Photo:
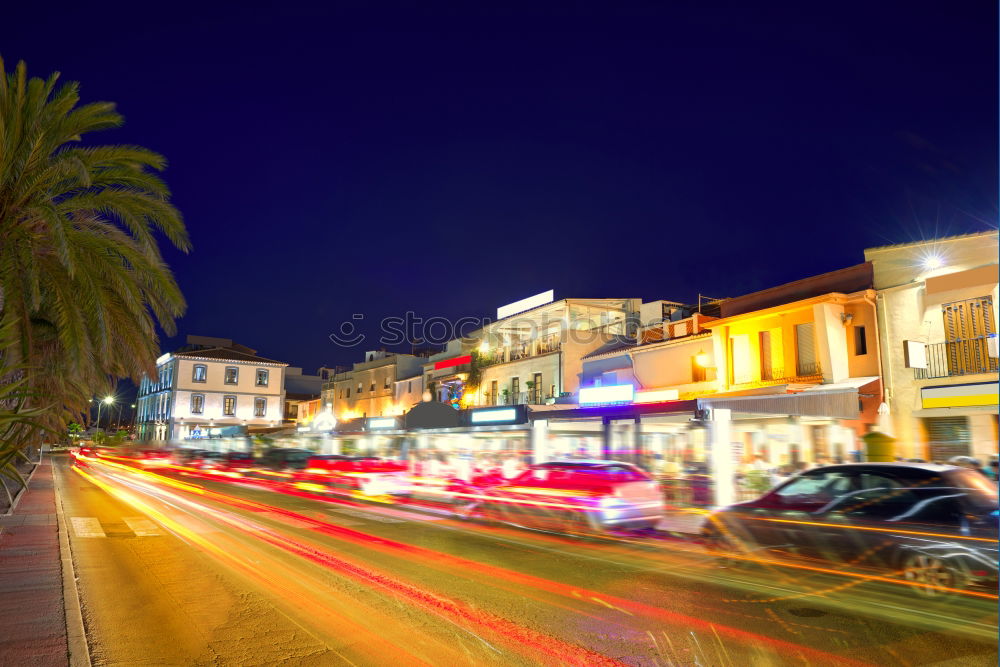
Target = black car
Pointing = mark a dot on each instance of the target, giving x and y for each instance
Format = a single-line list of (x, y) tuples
[(933, 525), (282, 458)]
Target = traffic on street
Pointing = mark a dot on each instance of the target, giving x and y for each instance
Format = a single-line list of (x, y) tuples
[(289, 559)]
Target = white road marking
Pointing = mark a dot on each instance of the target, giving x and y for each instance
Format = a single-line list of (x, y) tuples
[(142, 526), (87, 526)]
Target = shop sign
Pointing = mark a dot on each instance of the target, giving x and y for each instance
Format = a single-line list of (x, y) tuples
[(959, 395), (375, 423), (493, 416), (615, 394)]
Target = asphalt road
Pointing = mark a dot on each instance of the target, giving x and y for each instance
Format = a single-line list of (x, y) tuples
[(178, 570)]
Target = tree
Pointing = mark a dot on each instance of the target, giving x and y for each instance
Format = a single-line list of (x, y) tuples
[(82, 280)]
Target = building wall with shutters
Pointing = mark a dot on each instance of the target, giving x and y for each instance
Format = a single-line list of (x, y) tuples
[(951, 309)]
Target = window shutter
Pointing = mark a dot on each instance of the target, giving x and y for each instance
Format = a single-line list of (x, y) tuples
[(805, 348)]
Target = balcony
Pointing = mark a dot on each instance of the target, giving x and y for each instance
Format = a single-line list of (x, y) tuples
[(966, 357), (805, 373), (533, 397), (522, 350)]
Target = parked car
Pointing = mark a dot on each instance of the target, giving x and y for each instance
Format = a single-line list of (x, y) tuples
[(574, 496), (935, 525), (364, 475)]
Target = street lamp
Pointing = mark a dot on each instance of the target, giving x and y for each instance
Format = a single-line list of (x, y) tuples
[(107, 400)]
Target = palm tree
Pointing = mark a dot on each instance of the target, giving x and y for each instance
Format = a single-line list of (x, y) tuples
[(82, 280)]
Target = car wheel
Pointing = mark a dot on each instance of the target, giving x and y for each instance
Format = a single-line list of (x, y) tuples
[(932, 577), (724, 546)]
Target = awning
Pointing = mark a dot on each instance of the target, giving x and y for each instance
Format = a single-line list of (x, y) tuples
[(836, 400)]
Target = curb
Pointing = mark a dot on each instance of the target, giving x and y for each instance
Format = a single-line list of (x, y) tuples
[(76, 636), (27, 482)]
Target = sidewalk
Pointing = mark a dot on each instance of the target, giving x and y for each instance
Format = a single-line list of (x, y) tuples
[(686, 521), (32, 617)]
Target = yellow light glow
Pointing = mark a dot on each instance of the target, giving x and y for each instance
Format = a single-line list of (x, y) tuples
[(702, 359), (108, 400)]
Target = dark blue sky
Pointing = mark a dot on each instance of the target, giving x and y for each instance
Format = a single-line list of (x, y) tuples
[(446, 160)]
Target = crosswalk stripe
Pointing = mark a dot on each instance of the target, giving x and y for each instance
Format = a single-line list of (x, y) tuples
[(142, 526), (87, 526)]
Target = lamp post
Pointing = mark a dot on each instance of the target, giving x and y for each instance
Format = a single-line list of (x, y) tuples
[(107, 400)]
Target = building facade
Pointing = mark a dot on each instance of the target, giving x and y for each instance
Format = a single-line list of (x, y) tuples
[(536, 356), (938, 322), (369, 388), (212, 387)]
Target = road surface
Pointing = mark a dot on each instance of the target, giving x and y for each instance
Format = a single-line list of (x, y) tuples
[(180, 570)]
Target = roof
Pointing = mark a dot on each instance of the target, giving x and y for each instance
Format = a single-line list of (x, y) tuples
[(851, 279), (227, 354), (616, 344), (940, 239)]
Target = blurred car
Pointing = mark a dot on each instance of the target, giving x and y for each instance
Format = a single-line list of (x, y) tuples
[(153, 458), (934, 525), (184, 455), (364, 475), (206, 459), (574, 496), (236, 461), (284, 460)]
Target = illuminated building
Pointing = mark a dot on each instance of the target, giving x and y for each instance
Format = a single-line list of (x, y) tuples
[(302, 396), (211, 387), (532, 354), (368, 388), (938, 325)]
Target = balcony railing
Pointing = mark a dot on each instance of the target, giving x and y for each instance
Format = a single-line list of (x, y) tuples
[(965, 357), (533, 397), (502, 355), (770, 376)]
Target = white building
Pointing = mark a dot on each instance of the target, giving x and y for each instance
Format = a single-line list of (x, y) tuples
[(212, 387), (937, 329), (535, 355)]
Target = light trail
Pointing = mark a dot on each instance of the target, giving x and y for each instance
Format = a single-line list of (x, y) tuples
[(493, 575)]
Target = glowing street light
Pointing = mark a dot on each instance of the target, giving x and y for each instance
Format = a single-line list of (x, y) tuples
[(702, 359), (107, 400)]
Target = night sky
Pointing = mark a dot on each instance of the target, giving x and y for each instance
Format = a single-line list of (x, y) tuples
[(447, 160)]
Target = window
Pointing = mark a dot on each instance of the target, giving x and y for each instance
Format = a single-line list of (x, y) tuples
[(966, 326), (229, 405), (259, 407), (232, 375), (860, 341), (197, 404), (698, 374), (814, 489), (739, 346), (200, 373), (372, 387), (409, 386), (552, 391), (805, 349), (361, 387), (348, 392), (385, 384), (515, 388), (262, 374)]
